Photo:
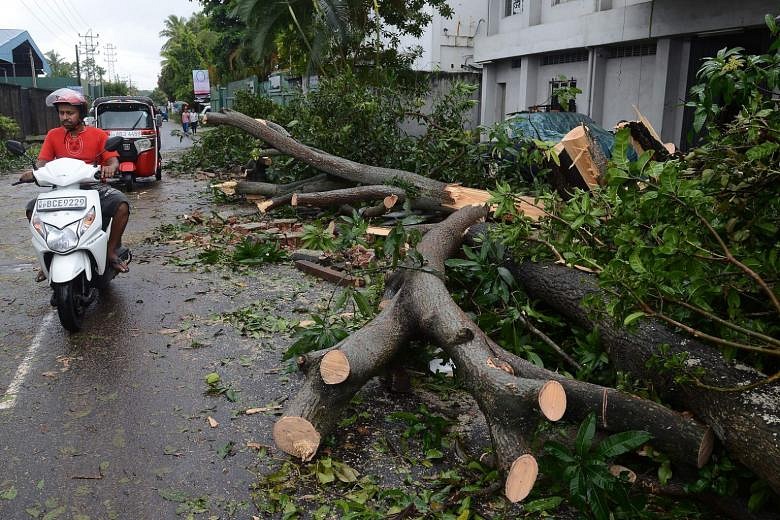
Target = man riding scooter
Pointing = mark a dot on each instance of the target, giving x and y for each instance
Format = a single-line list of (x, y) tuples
[(75, 140)]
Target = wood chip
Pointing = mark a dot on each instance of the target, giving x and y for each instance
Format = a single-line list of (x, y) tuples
[(166, 332), (252, 411), (213, 422)]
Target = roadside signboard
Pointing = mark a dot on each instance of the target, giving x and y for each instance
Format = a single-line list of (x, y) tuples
[(200, 82)]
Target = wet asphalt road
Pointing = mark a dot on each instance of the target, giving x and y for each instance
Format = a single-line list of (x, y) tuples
[(112, 422)]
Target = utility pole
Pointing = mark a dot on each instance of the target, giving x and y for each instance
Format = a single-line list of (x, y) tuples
[(78, 67), (89, 46), (110, 60)]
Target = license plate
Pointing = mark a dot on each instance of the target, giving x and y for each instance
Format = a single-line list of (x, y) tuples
[(62, 203), (125, 133)]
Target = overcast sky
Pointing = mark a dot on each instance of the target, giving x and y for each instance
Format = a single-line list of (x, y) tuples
[(131, 26)]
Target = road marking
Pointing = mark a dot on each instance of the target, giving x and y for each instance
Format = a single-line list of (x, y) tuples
[(8, 400)]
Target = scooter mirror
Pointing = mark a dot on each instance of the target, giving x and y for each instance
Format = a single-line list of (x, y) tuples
[(114, 143), (15, 147)]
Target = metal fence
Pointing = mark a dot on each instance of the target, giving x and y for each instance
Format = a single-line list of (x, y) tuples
[(27, 106)]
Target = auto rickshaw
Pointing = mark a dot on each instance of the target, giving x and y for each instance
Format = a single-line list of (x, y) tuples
[(133, 118)]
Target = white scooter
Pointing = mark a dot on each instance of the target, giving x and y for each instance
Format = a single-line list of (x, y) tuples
[(68, 235)]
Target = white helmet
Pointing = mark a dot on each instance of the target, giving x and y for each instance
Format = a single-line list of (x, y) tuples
[(70, 97)]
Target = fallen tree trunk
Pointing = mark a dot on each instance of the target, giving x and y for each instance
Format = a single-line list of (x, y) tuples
[(747, 422), (430, 194), (340, 167), (512, 396), (326, 199)]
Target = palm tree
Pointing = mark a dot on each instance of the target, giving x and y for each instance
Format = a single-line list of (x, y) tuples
[(319, 23), (174, 28), (59, 67)]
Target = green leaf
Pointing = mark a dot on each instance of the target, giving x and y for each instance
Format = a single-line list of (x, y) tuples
[(559, 451), (585, 434), (212, 379), (173, 495), (325, 475), (506, 275), (362, 304), (636, 263), (620, 149), (345, 473), (631, 318), (543, 504), (664, 472), (621, 443), (9, 494), (224, 450)]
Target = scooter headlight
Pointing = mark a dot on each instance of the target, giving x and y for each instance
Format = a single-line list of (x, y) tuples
[(141, 145), (38, 225), (62, 240), (86, 222)]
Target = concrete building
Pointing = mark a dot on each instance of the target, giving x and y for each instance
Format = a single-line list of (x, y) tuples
[(618, 52), (447, 44)]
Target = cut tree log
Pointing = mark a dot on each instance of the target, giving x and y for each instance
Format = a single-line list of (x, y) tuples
[(586, 155), (330, 198), (747, 422), (512, 396), (326, 273), (644, 137)]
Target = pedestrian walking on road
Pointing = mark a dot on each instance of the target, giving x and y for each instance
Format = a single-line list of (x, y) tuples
[(185, 121), (193, 121)]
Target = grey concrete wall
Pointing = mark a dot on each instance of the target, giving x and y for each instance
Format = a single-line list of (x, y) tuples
[(441, 83)]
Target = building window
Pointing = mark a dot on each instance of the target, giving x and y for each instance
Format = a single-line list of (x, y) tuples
[(512, 7), (627, 51), (559, 83), (516, 63), (559, 2), (565, 57)]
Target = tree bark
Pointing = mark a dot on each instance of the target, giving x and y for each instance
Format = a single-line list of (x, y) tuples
[(322, 182), (330, 198), (340, 167), (747, 422), (367, 351)]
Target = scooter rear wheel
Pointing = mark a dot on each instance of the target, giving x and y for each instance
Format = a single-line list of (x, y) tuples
[(69, 300)]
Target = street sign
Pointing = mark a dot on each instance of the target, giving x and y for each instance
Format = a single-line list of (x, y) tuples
[(200, 82)]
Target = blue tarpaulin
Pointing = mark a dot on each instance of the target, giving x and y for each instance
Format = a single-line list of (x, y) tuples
[(552, 126)]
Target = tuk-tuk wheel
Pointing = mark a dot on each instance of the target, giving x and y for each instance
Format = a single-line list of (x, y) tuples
[(127, 180), (158, 173)]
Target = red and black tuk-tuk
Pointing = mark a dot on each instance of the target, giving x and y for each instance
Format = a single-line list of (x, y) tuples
[(133, 118)]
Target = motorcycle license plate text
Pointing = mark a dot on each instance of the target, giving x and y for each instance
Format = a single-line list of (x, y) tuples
[(62, 203), (125, 133)]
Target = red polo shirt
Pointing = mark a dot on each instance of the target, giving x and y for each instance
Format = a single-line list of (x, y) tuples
[(87, 145)]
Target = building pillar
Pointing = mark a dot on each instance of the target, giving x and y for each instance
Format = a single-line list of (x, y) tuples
[(529, 77), (675, 94), (597, 65), (663, 60), (488, 98)]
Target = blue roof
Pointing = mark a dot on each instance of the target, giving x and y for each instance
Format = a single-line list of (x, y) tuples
[(11, 39)]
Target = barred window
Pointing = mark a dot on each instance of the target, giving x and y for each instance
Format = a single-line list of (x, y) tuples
[(627, 51), (559, 2), (565, 57), (512, 7)]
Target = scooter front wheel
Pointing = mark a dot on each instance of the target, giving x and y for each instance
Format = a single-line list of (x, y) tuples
[(69, 300)]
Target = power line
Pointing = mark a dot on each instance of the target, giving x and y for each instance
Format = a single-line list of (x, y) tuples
[(77, 13), (68, 17), (42, 24), (50, 16)]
